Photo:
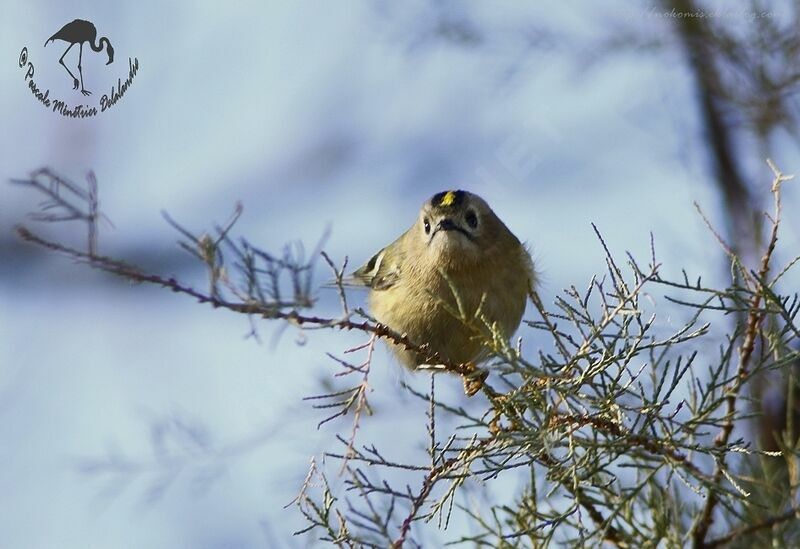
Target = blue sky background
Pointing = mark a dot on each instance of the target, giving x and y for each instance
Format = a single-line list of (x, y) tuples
[(313, 114)]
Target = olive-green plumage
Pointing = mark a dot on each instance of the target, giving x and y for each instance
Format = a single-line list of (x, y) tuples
[(458, 251)]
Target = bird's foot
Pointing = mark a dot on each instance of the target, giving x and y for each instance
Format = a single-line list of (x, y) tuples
[(474, 380), (474, 377), (75, 84), (86, 92)]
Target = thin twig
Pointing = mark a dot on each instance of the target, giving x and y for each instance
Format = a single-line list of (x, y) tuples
[(793, 513), (754, 319)]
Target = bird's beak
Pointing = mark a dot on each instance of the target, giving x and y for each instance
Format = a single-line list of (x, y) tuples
[(447, 224)]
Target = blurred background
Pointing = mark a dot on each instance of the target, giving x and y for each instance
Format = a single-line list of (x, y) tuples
[(133, 417)]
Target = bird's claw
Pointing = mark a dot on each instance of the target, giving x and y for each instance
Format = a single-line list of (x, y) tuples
[(75, 84), (86, 92), (474, 380)]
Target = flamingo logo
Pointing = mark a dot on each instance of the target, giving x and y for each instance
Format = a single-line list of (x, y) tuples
[(78, 32)]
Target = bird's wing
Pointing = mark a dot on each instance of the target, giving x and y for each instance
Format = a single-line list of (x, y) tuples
[(382, 271)]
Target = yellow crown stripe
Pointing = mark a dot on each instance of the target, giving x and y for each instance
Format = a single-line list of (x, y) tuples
[(448, 198)]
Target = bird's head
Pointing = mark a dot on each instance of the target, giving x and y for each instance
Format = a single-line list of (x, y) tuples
[(459, 227)]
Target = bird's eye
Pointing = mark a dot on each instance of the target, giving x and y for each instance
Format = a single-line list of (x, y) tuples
[(427, 225), (471, 218)]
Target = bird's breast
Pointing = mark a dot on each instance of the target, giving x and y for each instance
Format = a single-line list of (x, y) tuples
[(452, 311)]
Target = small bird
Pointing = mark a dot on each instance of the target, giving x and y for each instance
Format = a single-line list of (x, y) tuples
[(451, 281)]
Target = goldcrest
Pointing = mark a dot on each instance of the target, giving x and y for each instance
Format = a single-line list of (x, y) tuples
[(457, 277)]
